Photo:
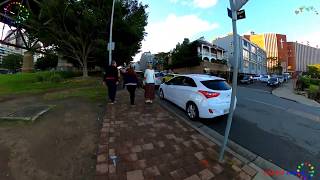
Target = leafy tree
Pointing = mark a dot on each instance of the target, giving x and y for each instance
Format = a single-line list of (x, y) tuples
[(12, 62), (314, 71), (78, 30), (185, 55), (308, 9), (162, 59), (47, 62)]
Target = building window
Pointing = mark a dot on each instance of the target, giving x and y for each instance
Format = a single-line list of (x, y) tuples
[(246, 64), (245, 43), (253, 49), (246, 55)]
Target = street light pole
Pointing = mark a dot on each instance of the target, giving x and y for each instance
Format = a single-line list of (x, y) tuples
[(234, 8), (110, 35)]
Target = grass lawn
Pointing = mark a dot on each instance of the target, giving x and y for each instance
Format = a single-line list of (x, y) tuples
[(41, 82)]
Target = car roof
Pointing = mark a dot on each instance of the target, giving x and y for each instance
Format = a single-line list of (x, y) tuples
[(202, 77)]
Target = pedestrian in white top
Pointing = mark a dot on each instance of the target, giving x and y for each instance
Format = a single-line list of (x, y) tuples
[(149, 78)]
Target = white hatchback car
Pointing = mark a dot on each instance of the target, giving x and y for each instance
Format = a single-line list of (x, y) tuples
[(202, 96)]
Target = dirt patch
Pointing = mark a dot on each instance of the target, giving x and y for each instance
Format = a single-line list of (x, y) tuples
[(60, 145)]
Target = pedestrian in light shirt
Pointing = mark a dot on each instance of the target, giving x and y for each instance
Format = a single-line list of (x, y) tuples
[(149, 79)]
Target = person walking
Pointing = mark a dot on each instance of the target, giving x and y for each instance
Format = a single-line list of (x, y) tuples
[(131, 82), (149, 78), (111, 80)]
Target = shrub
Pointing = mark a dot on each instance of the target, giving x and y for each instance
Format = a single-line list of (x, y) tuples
[(56, 78)]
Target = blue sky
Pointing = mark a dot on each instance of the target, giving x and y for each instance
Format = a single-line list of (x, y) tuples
[(172, 20)]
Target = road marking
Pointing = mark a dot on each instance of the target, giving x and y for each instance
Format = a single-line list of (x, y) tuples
[(261, 102)]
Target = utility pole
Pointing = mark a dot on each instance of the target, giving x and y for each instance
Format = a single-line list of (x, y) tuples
[(235, 15), (110, 44)]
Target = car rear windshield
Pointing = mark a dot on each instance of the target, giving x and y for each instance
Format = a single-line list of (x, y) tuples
[(216, 84)]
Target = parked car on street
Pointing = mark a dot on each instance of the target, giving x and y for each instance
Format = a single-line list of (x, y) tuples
[(281, 79), (167, 77), (246, 80), (257, 77), (274, 81), (201, 96), (159, 76), (265, 78)]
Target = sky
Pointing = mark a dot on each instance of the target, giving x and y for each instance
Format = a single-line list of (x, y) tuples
[(170, 21)]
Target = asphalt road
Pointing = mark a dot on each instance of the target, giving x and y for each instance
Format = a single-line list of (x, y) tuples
[(284, 132)]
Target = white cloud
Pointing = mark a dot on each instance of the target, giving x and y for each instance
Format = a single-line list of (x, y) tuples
[(163, 36), (205, 3), (196, 3), (313, 39)]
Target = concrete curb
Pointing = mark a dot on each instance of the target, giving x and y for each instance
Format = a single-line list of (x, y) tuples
[(249, 158)]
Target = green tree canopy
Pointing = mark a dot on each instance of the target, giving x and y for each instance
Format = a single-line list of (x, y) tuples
[(47, 62), (79, 30), (185, 55), (12, 62)]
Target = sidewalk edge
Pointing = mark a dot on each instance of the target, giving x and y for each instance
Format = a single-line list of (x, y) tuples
[(256, 162)]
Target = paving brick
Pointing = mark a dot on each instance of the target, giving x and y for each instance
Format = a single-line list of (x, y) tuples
[(206, 174), (178, 174), (187, 143), (199, 156), (112, 169), (148, 146), (130, 157), (249, 170), (161, 144), (141, 164), (151, 172), (102, 168), (170, 136), (102, 158), (244, 176), (136, 149), (112, 152), (236, 161), (217, 169), (194, 177), (135, 175)]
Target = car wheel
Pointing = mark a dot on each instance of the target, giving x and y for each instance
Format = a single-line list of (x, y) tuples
[(161, 94), (192, 111)]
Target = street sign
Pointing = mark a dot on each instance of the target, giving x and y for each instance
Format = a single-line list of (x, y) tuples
[(111, 46), (241, 14), (229, 13), (237, 4)]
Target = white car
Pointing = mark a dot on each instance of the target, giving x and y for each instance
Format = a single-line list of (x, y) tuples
[(257, 77), (265, 78), (201, 96)]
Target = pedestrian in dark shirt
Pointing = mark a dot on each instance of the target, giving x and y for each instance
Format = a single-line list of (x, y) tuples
[(111, 80), (131, 82)]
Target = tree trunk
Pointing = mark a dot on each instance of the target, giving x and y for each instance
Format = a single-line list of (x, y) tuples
[(85, 68), (27, 65)]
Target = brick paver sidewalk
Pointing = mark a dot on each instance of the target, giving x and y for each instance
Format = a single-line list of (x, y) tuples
[(150, 143)]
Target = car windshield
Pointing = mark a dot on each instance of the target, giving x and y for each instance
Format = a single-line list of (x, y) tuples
[(216, 84), (245, 78), (265, 76)]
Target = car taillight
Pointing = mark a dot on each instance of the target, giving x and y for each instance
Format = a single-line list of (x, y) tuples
[(209, 94)]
